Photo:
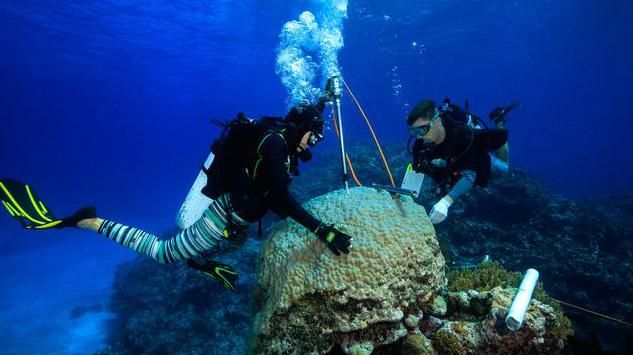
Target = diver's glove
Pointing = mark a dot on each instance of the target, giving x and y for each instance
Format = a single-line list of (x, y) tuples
[(304, 155), (335, 240), (440, 210), (217, 271)]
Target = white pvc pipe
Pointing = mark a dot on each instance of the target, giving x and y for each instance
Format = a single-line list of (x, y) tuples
[(195, 203), (521, 301)]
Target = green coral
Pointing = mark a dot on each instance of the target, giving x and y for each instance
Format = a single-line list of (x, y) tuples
[(447, 344), (484, 277), (416, 344), (487, 276), (361, 349)]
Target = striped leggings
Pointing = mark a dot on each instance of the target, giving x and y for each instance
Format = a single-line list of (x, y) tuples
[(201, 237)]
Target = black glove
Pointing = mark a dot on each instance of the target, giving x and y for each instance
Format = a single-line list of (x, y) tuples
[(304, 155), (323, 100), (335, 240)]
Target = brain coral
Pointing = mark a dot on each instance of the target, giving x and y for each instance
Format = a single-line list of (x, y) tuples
[(308, 299)]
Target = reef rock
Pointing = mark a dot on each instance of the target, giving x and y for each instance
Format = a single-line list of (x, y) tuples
[(488, 333), (308, 299)]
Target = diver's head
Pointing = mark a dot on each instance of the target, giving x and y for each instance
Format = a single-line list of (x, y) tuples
[(304, 128), (424, 123)]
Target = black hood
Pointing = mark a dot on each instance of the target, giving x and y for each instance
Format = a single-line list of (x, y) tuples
[(301, 119)]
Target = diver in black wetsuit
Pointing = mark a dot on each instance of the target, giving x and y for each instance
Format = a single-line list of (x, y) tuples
[(259, 184), (256, 184), (454, 153)]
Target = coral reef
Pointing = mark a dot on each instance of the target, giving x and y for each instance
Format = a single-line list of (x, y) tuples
[(308, 299), (583, 250), (446, 343), (416, 344), (484, 277), (177, 310), (488, 332), (487, 276)]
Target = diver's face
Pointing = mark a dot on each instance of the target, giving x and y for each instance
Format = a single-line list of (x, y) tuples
[(303, 144), (310, 139), (430, 131)]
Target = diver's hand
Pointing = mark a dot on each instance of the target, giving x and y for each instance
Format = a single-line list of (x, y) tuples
[(335, 240), (440, 210)]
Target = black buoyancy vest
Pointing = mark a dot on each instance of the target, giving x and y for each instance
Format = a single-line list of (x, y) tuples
[(465, 148), (235, 154)]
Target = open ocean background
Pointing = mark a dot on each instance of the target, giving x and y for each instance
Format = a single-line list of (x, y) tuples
[(108, 103)]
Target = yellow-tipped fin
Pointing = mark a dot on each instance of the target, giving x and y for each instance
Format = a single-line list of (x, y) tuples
[(36, 205), (18, 207), (47, 225), (12, 212)]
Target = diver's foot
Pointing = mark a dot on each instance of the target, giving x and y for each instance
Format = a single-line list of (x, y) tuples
[(90, 223), (500, 114), (86, 213), (222, 273)]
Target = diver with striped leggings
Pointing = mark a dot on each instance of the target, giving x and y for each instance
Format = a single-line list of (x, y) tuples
[(243, 185), (193, 241)]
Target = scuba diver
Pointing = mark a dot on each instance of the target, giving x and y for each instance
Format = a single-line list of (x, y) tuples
[(453, 148), (250, 175)]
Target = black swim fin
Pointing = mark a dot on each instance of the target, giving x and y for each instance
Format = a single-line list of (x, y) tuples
[(499, 114), (23, 204), (219, 272)]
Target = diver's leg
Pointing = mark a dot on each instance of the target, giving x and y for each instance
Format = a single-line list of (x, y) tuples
[(503, 153), (199, 238)]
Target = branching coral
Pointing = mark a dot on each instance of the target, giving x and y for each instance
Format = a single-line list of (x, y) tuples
[(484, 277)]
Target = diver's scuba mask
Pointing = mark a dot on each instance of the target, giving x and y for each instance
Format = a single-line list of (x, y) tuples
[(314, 138), (300, 120), (420, 131)]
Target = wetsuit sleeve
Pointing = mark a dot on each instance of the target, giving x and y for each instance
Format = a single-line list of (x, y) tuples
[(465, 183), (275, 172)]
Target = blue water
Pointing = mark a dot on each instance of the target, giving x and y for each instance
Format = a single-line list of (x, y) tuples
[(108, 103)]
